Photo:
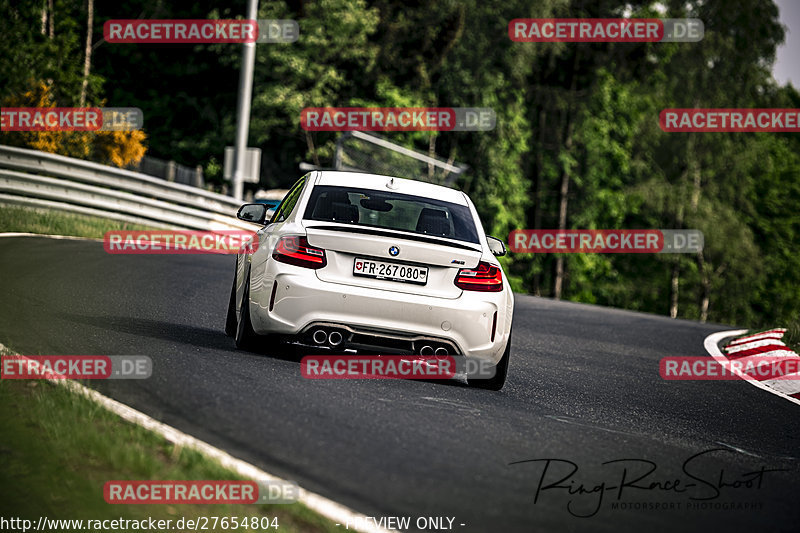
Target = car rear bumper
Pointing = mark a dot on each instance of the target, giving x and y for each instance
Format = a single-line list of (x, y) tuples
[(301, 303)]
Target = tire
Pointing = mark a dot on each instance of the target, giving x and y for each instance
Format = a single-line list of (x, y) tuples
[(501, 371), (246, 338), (230, 319)]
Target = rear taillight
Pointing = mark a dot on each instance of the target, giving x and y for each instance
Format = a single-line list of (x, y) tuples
[(485, 278), (295, 250)]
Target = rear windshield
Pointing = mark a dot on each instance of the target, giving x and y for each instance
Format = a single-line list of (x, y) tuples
[(389, 210)]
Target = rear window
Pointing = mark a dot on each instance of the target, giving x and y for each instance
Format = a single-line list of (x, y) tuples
[(394, 211)]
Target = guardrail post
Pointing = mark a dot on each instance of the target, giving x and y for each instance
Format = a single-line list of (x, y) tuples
[(171, 169), (198, 176)]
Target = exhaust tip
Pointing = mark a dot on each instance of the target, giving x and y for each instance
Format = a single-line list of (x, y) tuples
[(441, 351), (426, 350), (335, 338), (320, 336)]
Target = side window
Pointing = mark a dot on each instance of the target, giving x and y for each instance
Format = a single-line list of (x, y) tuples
[(289, 201)]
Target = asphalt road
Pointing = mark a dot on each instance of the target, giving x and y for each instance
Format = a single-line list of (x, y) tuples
[(583, 387)]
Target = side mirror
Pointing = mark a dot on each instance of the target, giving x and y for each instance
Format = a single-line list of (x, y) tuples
[(256, 213), (496, 246)]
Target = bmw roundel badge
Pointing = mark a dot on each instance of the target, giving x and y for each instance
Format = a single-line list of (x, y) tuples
[(394, 250)]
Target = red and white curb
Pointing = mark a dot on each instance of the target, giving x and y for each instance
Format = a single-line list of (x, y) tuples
[(766, 344), (336, 512)]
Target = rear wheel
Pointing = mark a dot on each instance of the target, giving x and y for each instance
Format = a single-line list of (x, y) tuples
[(501, 371), (245, 336)]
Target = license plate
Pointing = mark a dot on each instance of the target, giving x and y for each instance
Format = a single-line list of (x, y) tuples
[(390, 271)]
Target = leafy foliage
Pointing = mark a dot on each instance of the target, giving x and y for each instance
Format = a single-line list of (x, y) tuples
[(119, 148), (577, 141)]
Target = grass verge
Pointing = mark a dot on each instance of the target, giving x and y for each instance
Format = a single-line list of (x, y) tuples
[(58, 448), (27, 220), (792, 337)]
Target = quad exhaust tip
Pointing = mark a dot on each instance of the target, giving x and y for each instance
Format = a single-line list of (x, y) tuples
[(335, 338), (426, 350), (320, 336), (441, 351)]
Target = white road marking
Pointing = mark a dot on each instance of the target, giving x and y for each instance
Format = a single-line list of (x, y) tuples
[(568, 420), (737, 449), (447, 403)]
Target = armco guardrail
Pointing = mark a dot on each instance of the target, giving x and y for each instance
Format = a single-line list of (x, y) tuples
[(60, 182)]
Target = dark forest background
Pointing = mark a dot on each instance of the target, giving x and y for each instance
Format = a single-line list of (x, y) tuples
[(577, 142)]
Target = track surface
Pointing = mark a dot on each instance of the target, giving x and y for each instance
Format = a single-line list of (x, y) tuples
[(583, 387)]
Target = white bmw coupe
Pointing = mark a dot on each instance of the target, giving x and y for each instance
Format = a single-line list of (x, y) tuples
[(362, 263)]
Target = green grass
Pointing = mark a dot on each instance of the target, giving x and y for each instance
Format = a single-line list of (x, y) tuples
[(792, 337), (58, 448), (26, 220)]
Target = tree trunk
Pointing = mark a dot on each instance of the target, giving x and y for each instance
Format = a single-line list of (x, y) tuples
[(87, 61), (705, 281), (705, 287), (676, 267), (565, 175), (693, 170), (50, 19), (537, 190), (673, 290), (431, 153), (312, 148), (562, 216)]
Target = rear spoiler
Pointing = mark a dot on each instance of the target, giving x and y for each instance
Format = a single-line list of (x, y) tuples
[(397, 235)]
